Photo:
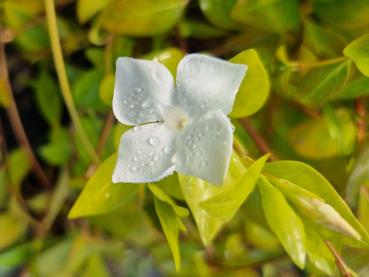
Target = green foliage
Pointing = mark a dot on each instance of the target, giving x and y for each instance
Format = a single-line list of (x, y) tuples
[(303, 100)]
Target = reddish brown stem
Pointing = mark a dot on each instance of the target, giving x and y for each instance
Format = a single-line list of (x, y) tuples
[(361, 124), (258, 139), (16, 122), (345, 271)]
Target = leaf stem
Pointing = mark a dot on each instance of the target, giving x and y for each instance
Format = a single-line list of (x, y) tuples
[(259, 140), (63, 79), (361, 122), (345, 270), (16, 123)]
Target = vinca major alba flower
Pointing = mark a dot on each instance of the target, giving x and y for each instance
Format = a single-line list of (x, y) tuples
[(182, 126)]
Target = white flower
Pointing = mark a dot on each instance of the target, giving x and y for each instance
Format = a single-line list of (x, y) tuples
[(183, 127)]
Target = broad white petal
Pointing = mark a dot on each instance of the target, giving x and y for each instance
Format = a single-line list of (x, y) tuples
[(204, 147), (139, 86), (205, 83), (145, 154)]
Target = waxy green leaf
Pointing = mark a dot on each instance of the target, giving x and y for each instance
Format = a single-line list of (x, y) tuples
[(218, 13), (100, 195), (169, 215), (358, 51), (254, 89), (305, 176), (225, 205), (87, 9), (284, 222), (142, 17), (196, 191)]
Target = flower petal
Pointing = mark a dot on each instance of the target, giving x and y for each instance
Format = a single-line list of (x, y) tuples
[(205, 83), (204, 147), (139, 86), (145, 154)]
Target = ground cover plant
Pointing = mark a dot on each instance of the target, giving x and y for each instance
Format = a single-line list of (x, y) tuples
[(184, 138)]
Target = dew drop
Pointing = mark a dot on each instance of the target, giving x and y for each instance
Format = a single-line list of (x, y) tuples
[(151, 154), (204, 163), (156, 158), (153, 141), (173, 159), (134, 168), (138, 151), (202, 106), (131, 106), (167, 149), (138, 89), (136, 128), (145, 104)]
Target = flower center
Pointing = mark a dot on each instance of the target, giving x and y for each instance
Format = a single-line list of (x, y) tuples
[(174, 117)]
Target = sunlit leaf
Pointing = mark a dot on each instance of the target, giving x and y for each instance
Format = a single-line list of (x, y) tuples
[(18, 166), (58, 150), (305, 176), (225, 204), (358, 51), (142, 17), (171, 224), (284, 222), (254, 89), (14, 257), (106, 89), (196, 191), (87, 9), (100, 195)]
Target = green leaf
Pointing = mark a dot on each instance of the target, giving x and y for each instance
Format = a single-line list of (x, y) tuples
[(170, 57), (358, 52), (196, 191), (218, 13), (363, 207), (324, 83), (106, 89), (58, 150), (315, 208), (159, 194), (283, 221), (225, 204), (199, 30), (277, 15), (12, 227), (171, 224), (18, 166), (48, 98), (86, 89), (325, 137), (254, 89), (87, 9), (323, 41), (342, 129), (14, 257), (142, 17), (357, 87), (95, 267), (305, 176), (318, 253), (359, 176), (100, 195)]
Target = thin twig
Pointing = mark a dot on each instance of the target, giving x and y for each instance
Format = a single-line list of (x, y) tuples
[(361, 123), (63, 79), (16, 123), (344, 269), (182, 43), (258, 139), (108, 124)]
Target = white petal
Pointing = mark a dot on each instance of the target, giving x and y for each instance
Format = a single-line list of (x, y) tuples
[(145, 154), (205, 83), (204, 148), (139, 86)]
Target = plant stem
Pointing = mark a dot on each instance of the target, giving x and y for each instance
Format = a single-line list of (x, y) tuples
[(63, 79), (259, 140), (344, 269), (361, 122), (16, 123)]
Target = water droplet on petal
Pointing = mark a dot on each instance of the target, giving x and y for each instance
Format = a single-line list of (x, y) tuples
[(153, 141), (204, 163), (173, 159), (136, 128), (134, 168), (135, 159), (138, 89), (145, 104), (151, 154), (167, 149), (138, 151)]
